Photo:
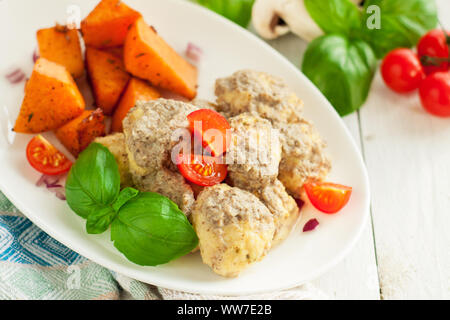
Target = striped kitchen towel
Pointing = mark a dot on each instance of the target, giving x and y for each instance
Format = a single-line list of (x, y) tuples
[(35, 266)]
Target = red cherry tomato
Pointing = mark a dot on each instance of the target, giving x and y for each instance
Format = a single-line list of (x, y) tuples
[(328, 197), (402, 71), (45, 158), (202, 170), (433, 51), (435, 94), (211, 128)]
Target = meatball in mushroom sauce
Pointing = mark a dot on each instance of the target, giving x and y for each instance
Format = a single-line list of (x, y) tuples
[(234, 228)]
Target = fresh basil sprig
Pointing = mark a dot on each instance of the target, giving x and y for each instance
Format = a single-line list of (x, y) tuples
[(93, 182), (342, 63), (238, 11), (342, 69), (148, 228), (151, 230), (402, 23)]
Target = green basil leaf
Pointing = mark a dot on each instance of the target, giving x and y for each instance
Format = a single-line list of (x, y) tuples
[(150, 230), (238, 11), (99, 221), (93, 181), (402, 23), (342, 69), (124, 196), (335, 16)]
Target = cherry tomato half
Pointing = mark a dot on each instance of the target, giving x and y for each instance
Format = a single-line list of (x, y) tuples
[(433, 51), (435, 94), (202, 170), (211, 128), (45, 158), (328, 197), (402, 71)]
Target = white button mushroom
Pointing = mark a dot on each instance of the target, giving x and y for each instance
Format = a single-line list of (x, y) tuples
[(274, 18)]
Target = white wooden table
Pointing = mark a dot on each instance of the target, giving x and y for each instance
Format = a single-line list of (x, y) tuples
[(404, 252)]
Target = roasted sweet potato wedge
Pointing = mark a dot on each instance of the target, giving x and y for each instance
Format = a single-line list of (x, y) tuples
[(117, 51), (107, 25), (61, 45), (108, 78), (135, 91), (81, 131), (51, 99), (148, 56)]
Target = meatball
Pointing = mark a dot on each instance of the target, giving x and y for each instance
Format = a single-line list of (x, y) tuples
[(116, 144), (169, 184), (303, 156), (254, 153), (257, 92), (151, 131), (283, 207), (234, 229)]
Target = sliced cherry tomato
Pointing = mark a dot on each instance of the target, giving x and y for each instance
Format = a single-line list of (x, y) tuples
[(435, 94), (202, 170), (45, 158), (433, 51), (402, 71), (211, 128), (328, 197)]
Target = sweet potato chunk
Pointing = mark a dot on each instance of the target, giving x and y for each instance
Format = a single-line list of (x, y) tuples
[(107, 25), (136, 90), (81, 131), (51, 99), (61, 45), (148, 56), (117, 51), (108, 78)]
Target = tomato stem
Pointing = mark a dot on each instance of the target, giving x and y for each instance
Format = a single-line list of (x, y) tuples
[(433, 61)]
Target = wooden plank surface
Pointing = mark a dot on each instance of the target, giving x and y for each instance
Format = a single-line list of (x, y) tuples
[(356, 276), (408, 157), (407, 153)]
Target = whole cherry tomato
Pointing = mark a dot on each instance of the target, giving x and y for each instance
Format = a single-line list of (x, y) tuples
[(402, 71), (433, 51), (435, 94)]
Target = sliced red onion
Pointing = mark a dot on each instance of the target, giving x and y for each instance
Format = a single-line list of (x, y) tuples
[(53, 185), (61, 194), (15, 76), (310, 225), (194, 52), (35, 55), (300, 203), (49, 181)]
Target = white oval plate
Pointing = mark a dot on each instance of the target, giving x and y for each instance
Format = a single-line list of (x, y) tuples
[(227, 48)]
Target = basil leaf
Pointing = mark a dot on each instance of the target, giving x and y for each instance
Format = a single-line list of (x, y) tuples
[(402, 23), (93, 181), (124, 196), (238, 11), (150, 230), (99, 221), (342, 69), (335, 16)]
